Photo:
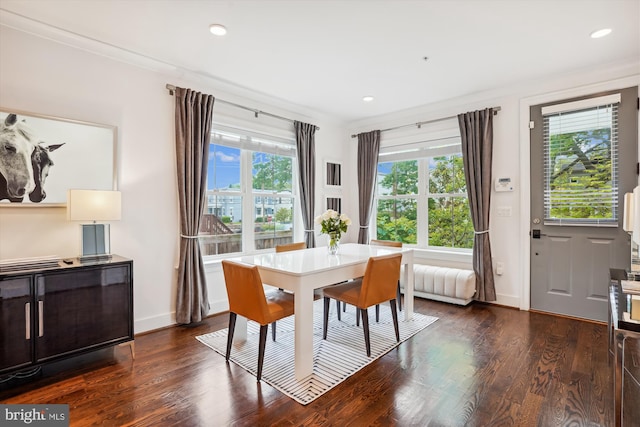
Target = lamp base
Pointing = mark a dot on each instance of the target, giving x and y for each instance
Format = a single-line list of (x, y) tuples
[(95, 241), (95, 258)]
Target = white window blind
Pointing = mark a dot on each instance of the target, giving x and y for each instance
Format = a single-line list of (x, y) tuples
[(252, 140), (581, 162), (420, 149)]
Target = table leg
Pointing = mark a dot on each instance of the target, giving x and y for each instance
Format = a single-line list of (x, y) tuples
[(409, 279), (240, 333), (303, 333)]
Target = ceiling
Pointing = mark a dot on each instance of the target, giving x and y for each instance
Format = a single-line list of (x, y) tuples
[(326, 55)]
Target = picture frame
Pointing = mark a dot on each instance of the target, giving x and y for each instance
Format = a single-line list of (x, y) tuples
[(333, 174), (334, 203), (64, 154)]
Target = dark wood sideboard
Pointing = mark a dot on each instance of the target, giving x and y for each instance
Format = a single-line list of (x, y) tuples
[(49, 314)]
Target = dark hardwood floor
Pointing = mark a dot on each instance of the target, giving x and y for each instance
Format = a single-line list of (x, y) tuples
[(480, 365)]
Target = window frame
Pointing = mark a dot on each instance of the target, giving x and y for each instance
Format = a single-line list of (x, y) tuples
[(247, 193), (421, 152), (575, 107)]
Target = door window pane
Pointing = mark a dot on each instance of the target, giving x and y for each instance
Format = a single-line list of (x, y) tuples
[(581, 166)]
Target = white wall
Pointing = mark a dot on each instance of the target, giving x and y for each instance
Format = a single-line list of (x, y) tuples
[(509, 235), (44, 77)]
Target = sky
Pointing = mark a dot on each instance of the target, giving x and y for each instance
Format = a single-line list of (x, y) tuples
[(224, 166)]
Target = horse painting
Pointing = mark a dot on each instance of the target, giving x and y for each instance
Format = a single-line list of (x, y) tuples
[(16, 168), (41, 163), (24, 162)]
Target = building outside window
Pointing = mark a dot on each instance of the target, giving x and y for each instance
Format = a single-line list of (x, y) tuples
[(250, 174)]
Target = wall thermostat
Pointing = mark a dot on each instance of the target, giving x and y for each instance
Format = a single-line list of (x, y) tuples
[(503, 184)]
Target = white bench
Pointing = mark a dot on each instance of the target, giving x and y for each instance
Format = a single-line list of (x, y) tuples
[(445, 284)]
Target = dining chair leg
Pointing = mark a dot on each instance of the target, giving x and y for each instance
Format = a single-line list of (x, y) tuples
[(325, 322), (344, 307), (338, 307), (273, 331), (394, 315), (357, 316), (263, 342), (365, 326), (377, 313), (232, 329), (399, 297)]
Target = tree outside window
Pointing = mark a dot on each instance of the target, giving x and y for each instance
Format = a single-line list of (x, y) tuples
[(580, 178), (442, 203)]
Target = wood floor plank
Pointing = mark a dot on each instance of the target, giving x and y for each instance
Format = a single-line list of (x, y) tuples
[(480, 365)]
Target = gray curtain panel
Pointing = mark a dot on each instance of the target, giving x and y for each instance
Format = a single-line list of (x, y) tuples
[(476, 131), (368, 150), (306, 146), (193, 117)]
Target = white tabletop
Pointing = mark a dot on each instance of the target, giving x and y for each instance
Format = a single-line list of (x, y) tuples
[(316, 260)]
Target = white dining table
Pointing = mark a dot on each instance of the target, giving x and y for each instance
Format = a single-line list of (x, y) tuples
[(305, 270)]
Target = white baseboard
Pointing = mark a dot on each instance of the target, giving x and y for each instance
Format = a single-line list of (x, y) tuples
[(169, 319), (508, 300), (218, 306), (156, 322)]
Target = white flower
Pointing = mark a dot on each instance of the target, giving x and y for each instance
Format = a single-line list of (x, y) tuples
[(333, 222)]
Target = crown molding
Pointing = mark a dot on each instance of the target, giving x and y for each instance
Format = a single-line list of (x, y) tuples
[(231, 91)]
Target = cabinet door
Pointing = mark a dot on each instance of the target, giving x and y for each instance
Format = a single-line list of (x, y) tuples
[(16, 332), (83, 309)]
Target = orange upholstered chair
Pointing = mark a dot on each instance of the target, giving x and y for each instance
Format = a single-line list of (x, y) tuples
[(247, 298), (377, 286), (291, 247), (393, 244)]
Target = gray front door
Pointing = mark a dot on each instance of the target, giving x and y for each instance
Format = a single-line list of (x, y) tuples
[(570, 263)]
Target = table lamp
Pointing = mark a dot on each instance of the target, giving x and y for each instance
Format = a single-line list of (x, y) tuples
[(94, 205)]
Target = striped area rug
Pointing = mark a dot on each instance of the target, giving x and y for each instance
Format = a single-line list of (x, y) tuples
[(334, 360)]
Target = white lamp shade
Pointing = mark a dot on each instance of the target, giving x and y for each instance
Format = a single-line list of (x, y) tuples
[(635, 225), (627, 219), (93, 205)]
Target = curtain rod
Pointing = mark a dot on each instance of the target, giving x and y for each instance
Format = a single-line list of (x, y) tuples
[(256, 112), (419, 124)]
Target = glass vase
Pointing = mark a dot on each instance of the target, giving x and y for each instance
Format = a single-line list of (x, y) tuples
[(334, 243)]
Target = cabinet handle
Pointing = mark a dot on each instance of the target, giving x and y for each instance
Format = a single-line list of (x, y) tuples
[(27, 321), (40, 318)]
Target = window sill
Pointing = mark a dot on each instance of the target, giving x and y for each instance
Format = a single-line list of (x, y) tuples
[(462, 256)]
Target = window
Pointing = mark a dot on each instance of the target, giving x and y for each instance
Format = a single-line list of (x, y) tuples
[(397, 202), (272, 181), (581, 162), (423, 200), (250, 204), (449, 216)]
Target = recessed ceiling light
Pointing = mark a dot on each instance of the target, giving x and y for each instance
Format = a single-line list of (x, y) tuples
[(367, 98), (600, 33), (218, 29)]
